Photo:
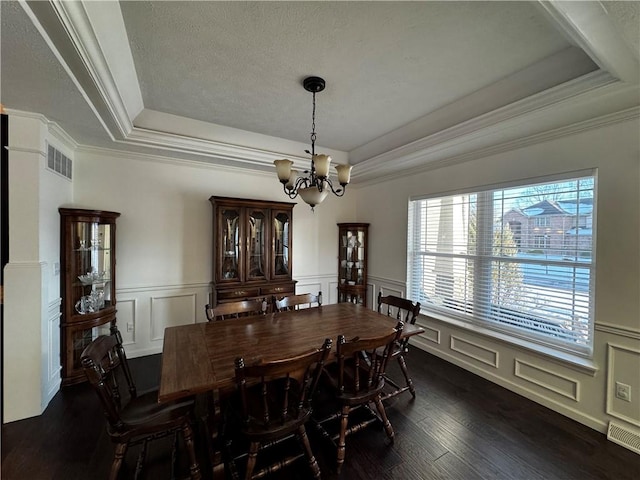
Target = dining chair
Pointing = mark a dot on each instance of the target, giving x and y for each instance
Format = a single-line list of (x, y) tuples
[(357, 380), (224, 311), (141, 418), (274, 405), (407, 311), (294, 302)]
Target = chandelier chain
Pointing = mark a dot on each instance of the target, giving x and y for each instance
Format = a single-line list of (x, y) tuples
[(313, 126)]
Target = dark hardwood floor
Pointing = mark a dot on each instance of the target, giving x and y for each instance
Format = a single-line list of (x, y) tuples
[(460, 426)]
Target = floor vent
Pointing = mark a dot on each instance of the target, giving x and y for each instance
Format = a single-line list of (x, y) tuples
[(59, 162), (624, 436)]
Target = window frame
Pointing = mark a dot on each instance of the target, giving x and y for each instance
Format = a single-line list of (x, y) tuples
[(516, 335)]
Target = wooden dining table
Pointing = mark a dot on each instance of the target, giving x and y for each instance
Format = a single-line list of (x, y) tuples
[(199, 358)]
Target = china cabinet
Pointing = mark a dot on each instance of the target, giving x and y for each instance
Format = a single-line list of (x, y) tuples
[(251, 249), (352, 262), (87, 283)]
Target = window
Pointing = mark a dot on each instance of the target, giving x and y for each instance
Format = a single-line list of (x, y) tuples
[(542, 241), (470, 260), (542, 221)]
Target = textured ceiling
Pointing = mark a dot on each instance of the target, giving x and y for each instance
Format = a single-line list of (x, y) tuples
[(33, 80), (240, 64)]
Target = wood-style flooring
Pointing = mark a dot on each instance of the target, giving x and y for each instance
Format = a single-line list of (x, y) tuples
[(460, 426)]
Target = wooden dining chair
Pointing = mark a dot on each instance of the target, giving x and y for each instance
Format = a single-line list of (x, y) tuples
[(224, 311), (357, 380), (275, 403), (295, 302), (407, 311), (141, 418)]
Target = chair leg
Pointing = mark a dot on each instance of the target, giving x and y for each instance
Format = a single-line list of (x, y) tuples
[(121, 450), (385, 421), (313, 463), (194, 468), (403, 367), (251, 461), (344, 420)]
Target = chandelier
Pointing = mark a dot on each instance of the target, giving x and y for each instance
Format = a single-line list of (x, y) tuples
[(315, 184)]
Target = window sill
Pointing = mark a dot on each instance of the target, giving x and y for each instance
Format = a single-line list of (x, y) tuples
[(583, 365)]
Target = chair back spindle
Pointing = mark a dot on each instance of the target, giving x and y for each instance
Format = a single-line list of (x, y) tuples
[(295, 302), (225, 311), (275, 397)]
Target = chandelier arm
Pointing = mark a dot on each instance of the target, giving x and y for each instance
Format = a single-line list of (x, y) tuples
[(293, 193), (337, 192)]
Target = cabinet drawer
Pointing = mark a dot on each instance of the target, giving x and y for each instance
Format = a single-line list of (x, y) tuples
[(238, 293), (278, 290)]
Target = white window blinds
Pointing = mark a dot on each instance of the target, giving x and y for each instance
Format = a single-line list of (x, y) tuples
[(519, 260)]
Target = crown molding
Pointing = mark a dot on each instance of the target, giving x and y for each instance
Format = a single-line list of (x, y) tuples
[(477, 128), (215, 150), (598, 122), (80, 29), (53, 128), (589, 26), (565, 105), (156, 158)]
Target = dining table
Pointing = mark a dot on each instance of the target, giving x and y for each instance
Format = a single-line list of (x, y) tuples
[(200, 358)]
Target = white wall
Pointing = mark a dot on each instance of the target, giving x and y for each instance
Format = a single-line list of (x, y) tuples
[(578, 392), (164, 235), (32, 286)]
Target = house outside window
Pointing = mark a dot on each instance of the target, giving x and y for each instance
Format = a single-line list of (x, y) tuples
[(484, 258)]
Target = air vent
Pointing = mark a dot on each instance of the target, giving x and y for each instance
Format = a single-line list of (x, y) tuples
[(59, 162), (624, 436)]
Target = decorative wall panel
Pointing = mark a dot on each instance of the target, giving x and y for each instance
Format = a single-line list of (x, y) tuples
[(552, 381)]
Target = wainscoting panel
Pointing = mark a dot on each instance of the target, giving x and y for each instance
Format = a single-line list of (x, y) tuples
[(624, 365), (431, 334), (144, 312), (51, 374), (552, 381), (126, 319), (475, 351), (386, 286), (171, 311), (327, 284), (332, 293), (311, 287)]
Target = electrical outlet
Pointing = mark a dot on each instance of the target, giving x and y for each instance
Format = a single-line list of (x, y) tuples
[(129, 327), (623, 391)]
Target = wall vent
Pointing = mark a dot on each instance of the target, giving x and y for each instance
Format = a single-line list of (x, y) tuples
[(624, 436), (59, 162)]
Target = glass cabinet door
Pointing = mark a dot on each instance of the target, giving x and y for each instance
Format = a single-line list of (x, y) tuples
[(352, 266), (80, 338), (281, 244), (256, 245), (229, 248), (352, 259), (90, 267)]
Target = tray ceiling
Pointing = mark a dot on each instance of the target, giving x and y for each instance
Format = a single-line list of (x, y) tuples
[(413, 82)]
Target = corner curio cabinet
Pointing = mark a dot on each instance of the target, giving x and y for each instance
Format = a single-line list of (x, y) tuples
[(352, 262), (87, 283), (251, 249)]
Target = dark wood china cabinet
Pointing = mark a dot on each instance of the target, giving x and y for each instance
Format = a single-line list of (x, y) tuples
[(87, 283), (352, 262), (251, 249)]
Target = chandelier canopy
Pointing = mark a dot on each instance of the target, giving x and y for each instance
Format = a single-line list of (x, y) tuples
[(315, 183)]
